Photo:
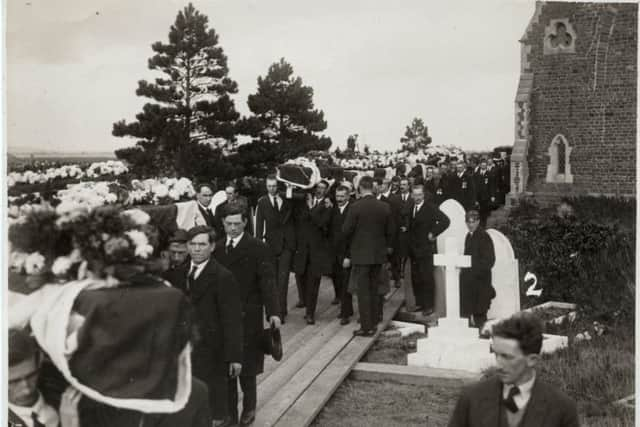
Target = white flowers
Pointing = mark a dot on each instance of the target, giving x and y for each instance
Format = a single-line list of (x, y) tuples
[(95, 170), (138, 216), (160, 191), (142, 247), (61, 265), (110, 167), (34, 263)]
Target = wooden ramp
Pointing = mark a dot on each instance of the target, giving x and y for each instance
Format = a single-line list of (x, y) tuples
[(317, 358)]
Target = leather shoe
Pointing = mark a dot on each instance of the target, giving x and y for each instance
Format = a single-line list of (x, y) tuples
[(248, 418), (226, 422), (300, 304), (363, 333), (344, 320), (310, 320), (417, 309)]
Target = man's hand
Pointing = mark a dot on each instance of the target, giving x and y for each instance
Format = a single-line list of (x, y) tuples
[(234, 369), (389, 251), (275, 321), (403, 229), (346, 263), (431, 237), (493, 199), (69, 407)]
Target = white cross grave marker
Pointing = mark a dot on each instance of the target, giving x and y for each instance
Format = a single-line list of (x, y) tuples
[(452, 261), (452, 344)]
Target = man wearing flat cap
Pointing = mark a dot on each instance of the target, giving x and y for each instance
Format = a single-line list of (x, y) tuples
[(215, 295)]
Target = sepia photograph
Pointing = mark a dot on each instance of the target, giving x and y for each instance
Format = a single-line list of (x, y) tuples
[(337, 213)]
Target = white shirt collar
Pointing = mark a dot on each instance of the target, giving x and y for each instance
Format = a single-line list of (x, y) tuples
[(199, 268), (343, 207), (521, 399), (46, 414), (202, 206), (235, 241)]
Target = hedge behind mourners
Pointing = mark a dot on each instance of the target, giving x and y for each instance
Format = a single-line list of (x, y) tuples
[(578, 260)]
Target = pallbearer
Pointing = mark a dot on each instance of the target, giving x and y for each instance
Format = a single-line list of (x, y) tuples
[(368, 228), (274, 225)]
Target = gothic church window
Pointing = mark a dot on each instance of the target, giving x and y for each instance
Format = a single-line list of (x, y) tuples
[(559, 167)]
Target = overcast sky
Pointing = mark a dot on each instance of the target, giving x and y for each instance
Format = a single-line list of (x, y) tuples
[(73, 65)]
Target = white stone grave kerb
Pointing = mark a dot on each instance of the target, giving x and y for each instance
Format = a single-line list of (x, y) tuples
[(452, 344)]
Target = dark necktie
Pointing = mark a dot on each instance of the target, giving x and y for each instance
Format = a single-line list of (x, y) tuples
[(274, 203), (192, 276), (229, 247), (36, 422), (509, 403)]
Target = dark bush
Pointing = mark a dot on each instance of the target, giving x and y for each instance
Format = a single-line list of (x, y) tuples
[(588, 259)]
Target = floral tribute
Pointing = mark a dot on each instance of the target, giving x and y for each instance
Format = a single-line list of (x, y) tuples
[(68, 242), (95, 170)]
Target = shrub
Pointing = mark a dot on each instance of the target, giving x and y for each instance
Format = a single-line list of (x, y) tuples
[(588, 259)]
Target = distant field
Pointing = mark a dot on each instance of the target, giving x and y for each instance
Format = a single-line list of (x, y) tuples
[(41, 162)]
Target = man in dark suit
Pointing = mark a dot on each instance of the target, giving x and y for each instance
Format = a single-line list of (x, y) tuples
[(251, 263), (203, 199), (516, 397), (443, 189), (233, 197), (476, 291), (216, 297), (274, 225), (426, 222), (341, 271), (368, 228), (313, 257), (485, 189), (401, 248), (463, 187)]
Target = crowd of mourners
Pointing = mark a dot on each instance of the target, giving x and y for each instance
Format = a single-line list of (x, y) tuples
[(233, 266)]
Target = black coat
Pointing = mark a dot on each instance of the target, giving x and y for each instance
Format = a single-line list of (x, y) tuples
[(402, 241), (463, 189), (479, 406), (368, 228), (252, 266), (275, 227), (339, 243), (313, 246), (215, 295), (485, 185), (476, 291), (429, 219)]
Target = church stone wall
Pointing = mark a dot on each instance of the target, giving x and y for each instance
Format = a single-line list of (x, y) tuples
[(583, 57)]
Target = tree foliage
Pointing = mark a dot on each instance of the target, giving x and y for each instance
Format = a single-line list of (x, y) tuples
[(192, 112), (285, 124), (415, 136)]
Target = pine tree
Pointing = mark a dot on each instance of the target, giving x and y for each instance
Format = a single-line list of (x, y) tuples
[(415, 136), (192, 109), (352, 143), (284, 124)]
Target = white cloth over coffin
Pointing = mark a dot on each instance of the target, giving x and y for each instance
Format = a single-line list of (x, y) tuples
[(188, 215), (49, 310)]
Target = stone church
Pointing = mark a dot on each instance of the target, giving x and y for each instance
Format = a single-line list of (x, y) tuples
[(575, 108)]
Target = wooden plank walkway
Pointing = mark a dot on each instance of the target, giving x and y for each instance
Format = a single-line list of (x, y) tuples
[(317, 358)]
